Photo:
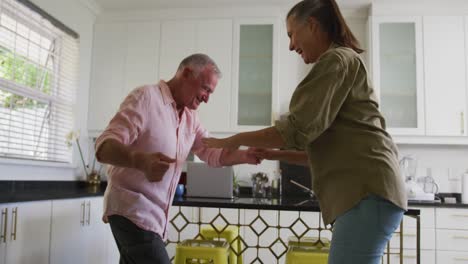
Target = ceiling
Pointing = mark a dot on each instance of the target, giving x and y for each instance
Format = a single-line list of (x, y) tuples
[(121, 5)]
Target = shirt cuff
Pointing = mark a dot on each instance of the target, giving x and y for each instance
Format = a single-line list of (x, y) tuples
[(101, 139)]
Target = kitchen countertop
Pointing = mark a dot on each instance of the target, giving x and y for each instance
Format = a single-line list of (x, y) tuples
[(24, 191)]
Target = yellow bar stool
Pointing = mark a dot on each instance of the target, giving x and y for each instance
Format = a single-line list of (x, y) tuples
[(323, 242), (201, 251), (230, 233), (306, 255)]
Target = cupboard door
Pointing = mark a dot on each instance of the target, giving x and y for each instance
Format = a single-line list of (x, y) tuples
[(142, 56), (398, 72), (68, 237), (254, 94), (107, 78), (214, 38), (28, 239), (445, 75), (96, 230), (4, 218), (177, 42)]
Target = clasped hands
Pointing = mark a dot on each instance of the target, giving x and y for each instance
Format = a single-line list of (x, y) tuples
[(155, 165)]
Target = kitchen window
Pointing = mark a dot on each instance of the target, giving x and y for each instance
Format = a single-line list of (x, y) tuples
[(38, 80)]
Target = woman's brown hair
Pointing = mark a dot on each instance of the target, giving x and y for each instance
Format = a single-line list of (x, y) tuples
[(330, 18)]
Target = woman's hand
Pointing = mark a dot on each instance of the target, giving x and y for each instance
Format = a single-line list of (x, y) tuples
[(228, 143)]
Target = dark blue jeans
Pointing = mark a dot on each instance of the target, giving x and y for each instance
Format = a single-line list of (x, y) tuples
[(137, 245), (360, 234)]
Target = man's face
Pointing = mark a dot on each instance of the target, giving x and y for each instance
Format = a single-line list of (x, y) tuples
[(198, 88)]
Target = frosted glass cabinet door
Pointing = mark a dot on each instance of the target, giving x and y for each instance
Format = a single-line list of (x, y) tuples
[(255, 73), (397, 62)]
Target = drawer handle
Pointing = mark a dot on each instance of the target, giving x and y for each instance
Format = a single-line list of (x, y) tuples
[(82, 220), (409, 256), (89, 213), (460, 237), (5, 219), (459, 215), (409, 235), (460, 259), (14, 219)]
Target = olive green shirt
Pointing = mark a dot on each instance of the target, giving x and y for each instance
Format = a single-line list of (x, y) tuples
[(334, 117)]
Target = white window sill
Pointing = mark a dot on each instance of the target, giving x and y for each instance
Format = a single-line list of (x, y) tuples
[(24, 162)]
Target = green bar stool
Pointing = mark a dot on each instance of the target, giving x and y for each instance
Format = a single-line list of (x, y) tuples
[(201, 251), (230, 233), (306, 255)]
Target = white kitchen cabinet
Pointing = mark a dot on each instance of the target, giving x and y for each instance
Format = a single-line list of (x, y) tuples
[(142, 56), (25, 232), (445, 75), (125, 56), (397, 62), (113, 254), (410, 257), (214, 38), (107, 76), (3, 232), (177, 42), (449, 257), (78, 235), (215, 114), (452, 235), (254, 97)]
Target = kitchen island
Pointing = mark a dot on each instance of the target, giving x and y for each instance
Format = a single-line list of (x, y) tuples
[(266, 224)]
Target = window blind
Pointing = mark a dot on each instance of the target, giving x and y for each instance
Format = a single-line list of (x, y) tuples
[(38, 80)]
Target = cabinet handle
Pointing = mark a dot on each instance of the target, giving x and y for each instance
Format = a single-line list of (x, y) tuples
[(460, 237), (15, 216), (89, 213), (459, 215), (82, 220), (462, 122), (409, 256), (460, 259), (4, 221)]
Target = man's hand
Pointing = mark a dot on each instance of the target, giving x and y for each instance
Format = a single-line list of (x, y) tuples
[(263, 153), (226, 143), (154, 165), (252, 157)]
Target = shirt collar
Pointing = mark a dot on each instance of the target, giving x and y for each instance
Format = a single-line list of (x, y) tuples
[(166, 93)]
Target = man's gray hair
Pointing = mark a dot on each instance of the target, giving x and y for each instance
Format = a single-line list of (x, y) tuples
[(197, 62)]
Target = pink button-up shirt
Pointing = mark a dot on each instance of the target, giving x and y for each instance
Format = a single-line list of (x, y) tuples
[(148, 121)]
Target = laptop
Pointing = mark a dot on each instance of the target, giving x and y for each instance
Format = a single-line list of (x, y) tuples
[(206, 181)]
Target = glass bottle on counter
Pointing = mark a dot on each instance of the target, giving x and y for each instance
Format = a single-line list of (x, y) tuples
[(276, 184)]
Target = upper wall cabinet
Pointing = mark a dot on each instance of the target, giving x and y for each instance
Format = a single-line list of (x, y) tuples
[(125, 55), (397, 61), (445, 75), (419, 71), (245, 51), (254, 96), (180, 38)]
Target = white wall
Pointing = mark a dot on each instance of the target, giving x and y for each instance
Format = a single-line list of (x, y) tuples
[(79, 16)]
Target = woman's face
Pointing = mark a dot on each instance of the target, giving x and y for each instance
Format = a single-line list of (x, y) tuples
[(305, 38)]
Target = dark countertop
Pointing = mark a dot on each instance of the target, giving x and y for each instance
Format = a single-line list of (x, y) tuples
[(286, 204), (24, 191)]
